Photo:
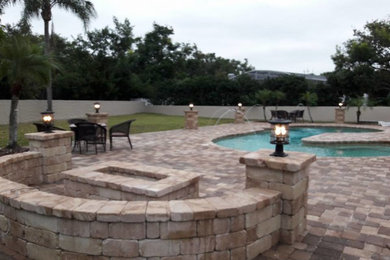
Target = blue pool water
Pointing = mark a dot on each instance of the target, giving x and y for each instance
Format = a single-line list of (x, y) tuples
[(254, 142)]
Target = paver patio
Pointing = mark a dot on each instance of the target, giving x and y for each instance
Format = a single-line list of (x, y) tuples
[(349, 198)]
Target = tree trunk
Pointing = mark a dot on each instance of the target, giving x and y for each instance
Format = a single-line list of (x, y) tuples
[(13, 123), (308, 110), (265, 116), (358, 113), (46, 15)]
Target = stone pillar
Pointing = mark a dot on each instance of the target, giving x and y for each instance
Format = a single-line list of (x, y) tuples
[(191, 119), (56, 151), (339, 116), (288, 175), (97, 118), (239, 117)]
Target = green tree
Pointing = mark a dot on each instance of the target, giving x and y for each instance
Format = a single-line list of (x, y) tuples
[(363, 62), (277, 97), (43, 8), (310, 99), (360, 102), (264, 97), (23, 66)]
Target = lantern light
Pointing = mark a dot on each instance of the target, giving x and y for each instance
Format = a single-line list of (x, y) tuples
[(96, 105), (239, 105), (191, 106), (341, 104), (47, 119), (279, 136)]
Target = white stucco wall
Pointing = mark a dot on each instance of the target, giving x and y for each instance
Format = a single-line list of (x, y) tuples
[(29, 110)]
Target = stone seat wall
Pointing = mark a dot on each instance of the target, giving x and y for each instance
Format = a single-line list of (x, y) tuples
[(41, 225)]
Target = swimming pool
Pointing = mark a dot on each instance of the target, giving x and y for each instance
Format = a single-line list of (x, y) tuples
[(256, 141)]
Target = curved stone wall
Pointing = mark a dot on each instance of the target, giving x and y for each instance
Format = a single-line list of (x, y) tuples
[(41, 225)]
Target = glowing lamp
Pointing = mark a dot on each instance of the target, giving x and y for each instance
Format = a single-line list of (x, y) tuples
[(191, 106), (47, 119), (96, 105), (279, 136), (239, 105), (341, 104)]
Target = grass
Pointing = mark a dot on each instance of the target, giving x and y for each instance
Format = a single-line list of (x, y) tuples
[(144, 123)]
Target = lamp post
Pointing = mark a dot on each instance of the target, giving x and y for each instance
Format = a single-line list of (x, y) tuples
[(279, 136), (191, 106), (96, 105), (47, 119), (239, 105), (341, 105)]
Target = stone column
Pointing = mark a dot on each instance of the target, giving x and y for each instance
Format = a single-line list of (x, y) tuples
[(288, 175), (56, 151), (97, 118), (191, 119), (239, 117), (339, 116)]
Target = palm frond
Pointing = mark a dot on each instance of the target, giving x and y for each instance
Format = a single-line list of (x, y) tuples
[(82, 8)]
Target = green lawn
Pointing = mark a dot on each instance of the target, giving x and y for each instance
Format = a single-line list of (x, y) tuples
[(144, 123)]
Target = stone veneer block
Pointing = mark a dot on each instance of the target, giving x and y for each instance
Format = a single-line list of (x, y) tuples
[(180, 211), (134, 211), (97, 118), (294, 162), (239, 116), (56, 151), (191, 117), (287, 175), (157, 211)]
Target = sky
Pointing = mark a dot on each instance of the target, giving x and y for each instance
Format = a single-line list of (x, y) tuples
[(283, 35)]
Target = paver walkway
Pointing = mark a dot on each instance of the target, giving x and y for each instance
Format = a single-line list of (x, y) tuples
[(349, 198)]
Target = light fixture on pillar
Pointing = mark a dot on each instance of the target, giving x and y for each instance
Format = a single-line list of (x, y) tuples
[(279, 136), (47, 119), (191, 106), (341, 105), (96, 105), (239, 106)]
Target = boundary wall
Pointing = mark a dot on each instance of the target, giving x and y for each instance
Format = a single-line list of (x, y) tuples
[(29, 110)]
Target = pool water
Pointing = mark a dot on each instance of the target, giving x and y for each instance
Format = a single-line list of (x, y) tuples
[(254, 142)]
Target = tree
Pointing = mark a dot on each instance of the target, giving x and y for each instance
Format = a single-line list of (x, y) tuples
[(34, 8), (23, 66), (360, 102), (264, 97), (310, 99), (278, 96), (363, 63)]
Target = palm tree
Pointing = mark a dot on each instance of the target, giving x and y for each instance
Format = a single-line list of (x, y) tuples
[(360, 103), (310, 99), (264, 97), (23, 65), (278, 96), (34, 8)]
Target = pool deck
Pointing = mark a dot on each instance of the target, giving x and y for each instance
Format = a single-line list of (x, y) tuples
[(349, 198)]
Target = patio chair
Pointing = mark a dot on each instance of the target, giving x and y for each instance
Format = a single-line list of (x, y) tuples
[(90, 133), (293, 115), (42, 128), (121, 130), (300, 115), (74, 121), (282, 114), (273, 114)]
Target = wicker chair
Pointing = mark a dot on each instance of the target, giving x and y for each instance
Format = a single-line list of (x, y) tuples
[(121, 130), (90, 133), (74, 121)]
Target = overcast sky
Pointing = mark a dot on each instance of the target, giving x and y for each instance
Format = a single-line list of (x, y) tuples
[(284, 35)]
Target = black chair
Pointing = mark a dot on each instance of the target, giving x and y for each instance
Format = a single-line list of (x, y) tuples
[(121, 130), (90, 133), (300, 115), (281, 114), (74, 121), (293, 115), (42, 127), (273, 114)]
